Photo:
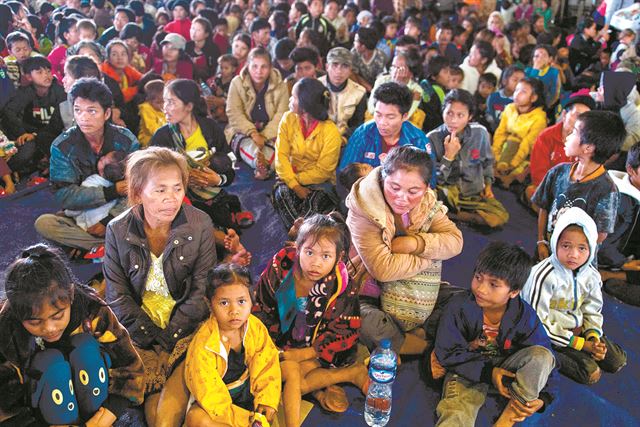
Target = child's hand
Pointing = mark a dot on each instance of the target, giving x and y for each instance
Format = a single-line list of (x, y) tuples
[(496, 377), (543, 251), (267, 411), (503, 168), (487, 192), (25, 137), (525, 410), (102, 418), (301, 192), (451, 146), (599, 350)]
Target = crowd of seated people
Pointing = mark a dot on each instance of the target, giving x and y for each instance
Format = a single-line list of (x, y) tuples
[(382, 127)]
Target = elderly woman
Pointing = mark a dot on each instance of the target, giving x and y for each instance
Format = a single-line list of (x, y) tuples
[(200, 139), (307, 152), (156, 260), (398, 229), (256, 102), (117, 67)]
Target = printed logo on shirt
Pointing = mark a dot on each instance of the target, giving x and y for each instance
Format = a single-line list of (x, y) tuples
[(475, 154), (369, 155)]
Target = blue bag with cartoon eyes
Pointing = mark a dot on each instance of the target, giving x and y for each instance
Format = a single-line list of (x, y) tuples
[(52, 388), (90, 368)]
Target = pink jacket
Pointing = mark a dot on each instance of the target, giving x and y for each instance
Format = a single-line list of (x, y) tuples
[(372, 227), (57, 57)]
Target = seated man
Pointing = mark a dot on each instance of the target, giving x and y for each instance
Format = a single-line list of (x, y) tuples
[(371, 142), (619, 255), (348, 98), (74, 157)]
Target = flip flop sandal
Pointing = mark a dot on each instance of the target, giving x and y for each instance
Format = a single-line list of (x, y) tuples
[(243, 219), (36, 180), (332, 399)]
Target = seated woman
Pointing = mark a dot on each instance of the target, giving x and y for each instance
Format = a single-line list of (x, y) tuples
[(67, 35), (309, 304), (201, 141), (202, 50), (307, 152), (117, 67), (174, 62), (256, 102), (157, 256), (398, 229)]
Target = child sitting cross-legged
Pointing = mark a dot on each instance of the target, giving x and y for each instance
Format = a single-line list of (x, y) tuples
[(465, 164), (491, 338), (310, 307), (232, 368), (565, 290), (520, 124)]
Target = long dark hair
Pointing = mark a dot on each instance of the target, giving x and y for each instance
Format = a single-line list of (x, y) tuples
[(39, 275), (63, 27), (188, 91), (313, 98)]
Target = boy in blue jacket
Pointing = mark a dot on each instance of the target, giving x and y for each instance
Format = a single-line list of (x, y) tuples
[(492, 338)]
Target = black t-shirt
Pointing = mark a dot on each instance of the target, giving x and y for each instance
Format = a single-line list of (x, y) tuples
[(598, 197), (240, 396)]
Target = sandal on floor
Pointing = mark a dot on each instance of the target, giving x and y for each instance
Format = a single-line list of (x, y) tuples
[(243, 219), (36, 180), (332, 399)]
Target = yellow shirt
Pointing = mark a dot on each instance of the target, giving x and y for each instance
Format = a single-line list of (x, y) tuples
[(196, 141), (310, 160), (156, 299), (150, 121)]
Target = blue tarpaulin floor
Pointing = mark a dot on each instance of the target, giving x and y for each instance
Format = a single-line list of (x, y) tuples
[(611, 402)]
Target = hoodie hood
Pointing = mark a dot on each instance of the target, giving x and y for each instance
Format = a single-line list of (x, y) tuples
[(617, 88), (575, 216), (621, 179)]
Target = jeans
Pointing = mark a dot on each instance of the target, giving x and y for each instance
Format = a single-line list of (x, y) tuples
[(462, 399), (583, 369)]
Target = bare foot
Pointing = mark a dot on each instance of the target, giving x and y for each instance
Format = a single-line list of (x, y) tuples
[(361, 377), (9, 188)]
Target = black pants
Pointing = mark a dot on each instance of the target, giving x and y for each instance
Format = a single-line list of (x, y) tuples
[(580, 366)]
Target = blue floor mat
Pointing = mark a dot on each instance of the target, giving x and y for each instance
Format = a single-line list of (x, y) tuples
[(611, 402)]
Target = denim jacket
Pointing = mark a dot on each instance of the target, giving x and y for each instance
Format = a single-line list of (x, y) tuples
[(72, 161)]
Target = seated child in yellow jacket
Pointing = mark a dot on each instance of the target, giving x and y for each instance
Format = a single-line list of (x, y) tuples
[(151, 115), (232, 368), (520, 124)]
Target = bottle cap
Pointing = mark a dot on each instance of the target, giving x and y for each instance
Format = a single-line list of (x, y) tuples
[(385, 343)]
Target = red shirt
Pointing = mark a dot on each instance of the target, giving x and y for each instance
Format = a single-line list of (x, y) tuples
[(547, 152)]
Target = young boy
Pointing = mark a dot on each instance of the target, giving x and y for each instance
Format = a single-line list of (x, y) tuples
[(434, 87), (619, 255), (456, 76), (20, 49), (319, 23), (28, 113), (465, 164), (151, 111), (492, 338), (565, 290), (486, 86), (596, 136)]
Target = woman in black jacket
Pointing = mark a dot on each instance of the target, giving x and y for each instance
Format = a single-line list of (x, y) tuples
[(200, 139), (157, 255)]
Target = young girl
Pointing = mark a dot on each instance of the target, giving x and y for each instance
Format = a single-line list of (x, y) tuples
[(543, 70), (232, 366), (519, 127), (307, 151), (498, 101), (67, 35), (310, 307), (44, 320)]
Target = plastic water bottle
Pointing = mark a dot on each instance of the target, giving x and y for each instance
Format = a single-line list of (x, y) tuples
[(382, 371)]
